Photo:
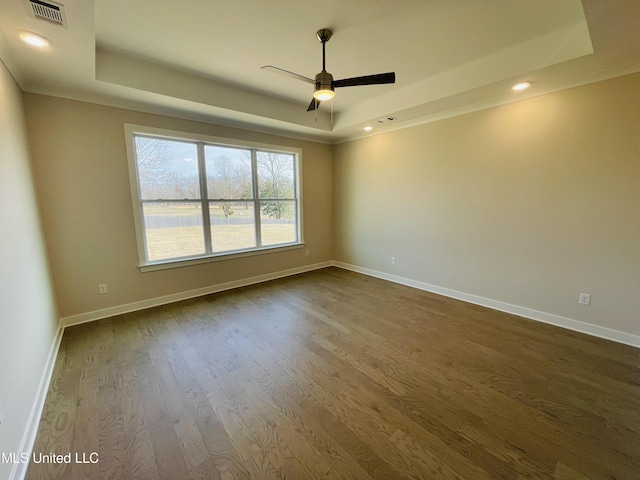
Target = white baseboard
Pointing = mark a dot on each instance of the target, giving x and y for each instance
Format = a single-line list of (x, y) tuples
[(29, 438), (550, 318), (176, 297), (568, 323)]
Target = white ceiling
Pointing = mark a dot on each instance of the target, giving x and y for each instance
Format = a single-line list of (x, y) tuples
[(201, 59)]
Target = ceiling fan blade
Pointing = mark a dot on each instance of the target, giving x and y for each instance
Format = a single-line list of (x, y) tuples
[(282, 71), (378, 79), (314, 105)]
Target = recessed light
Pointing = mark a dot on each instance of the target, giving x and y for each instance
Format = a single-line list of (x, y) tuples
[(518, 87), (34, 39), (368, 128)]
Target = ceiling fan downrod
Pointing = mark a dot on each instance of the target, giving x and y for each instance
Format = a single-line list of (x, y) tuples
[(323, 35)]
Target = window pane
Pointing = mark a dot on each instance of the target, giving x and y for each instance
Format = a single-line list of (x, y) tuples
[(232, 226), (275, 175), (167, 169), (278, 222), (251, 196), (173, 230), (228, 173)]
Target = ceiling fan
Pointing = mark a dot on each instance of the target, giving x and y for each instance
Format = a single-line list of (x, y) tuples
[(324, 84)]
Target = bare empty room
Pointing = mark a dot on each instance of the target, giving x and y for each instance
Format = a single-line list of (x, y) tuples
[(348, 239)]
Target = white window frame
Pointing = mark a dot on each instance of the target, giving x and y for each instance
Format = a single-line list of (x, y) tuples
[(131, 130)]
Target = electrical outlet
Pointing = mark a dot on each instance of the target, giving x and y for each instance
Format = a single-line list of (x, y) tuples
[(306, 253), (393, 260), (585, 299), (102, 288)]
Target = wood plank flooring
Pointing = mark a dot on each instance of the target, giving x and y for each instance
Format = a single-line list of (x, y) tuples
[(332, 374)]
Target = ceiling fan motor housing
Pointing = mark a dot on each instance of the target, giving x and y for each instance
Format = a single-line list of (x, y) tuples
[(324, 81)]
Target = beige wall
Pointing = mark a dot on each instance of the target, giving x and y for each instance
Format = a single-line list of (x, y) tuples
[(529, 203), (28, 317), (82, 177)]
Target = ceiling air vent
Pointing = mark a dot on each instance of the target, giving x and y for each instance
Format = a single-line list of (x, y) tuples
[(386, 119), (49, 11)]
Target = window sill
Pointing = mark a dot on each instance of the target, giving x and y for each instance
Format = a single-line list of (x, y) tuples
[(218, 257)]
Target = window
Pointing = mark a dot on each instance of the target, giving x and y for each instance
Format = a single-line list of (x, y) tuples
[(201, 198)]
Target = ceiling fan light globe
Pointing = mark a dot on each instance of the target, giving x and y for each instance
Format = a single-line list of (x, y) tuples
[(323, 95)]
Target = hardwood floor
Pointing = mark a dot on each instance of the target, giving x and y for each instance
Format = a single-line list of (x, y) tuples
[(332, 374)]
